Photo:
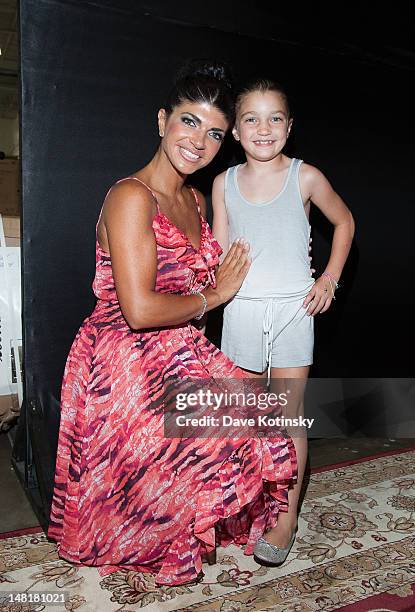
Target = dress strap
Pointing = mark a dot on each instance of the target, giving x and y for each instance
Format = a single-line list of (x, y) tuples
[(134, 178), (128, 178), (196, 199)]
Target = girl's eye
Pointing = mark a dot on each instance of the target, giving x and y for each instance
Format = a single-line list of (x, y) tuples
[(188, 121), (250, 119), (276, 119)]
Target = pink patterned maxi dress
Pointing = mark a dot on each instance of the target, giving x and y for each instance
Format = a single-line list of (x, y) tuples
[(125, 495)]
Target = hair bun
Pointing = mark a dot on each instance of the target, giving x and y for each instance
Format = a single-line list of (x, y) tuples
[(211, 69), (203, 81)]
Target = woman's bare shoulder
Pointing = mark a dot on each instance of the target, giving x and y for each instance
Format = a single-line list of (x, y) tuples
[(129, 196)]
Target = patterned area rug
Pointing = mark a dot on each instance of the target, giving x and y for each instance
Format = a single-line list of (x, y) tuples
[(355, 552)]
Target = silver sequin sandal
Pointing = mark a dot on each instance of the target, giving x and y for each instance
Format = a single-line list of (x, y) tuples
[(271, 555)]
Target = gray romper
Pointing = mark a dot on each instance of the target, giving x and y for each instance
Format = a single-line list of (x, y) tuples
[(265, 324)]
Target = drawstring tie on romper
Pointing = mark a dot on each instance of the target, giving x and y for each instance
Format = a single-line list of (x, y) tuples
[(268, 329)]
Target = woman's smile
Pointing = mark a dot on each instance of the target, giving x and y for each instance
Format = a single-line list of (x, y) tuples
[(189, 155)]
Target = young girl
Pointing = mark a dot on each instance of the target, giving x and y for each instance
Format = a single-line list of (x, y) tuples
[(268, 325)]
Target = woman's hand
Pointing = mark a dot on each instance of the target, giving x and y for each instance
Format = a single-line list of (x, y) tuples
[(231, 273), (319, 297)]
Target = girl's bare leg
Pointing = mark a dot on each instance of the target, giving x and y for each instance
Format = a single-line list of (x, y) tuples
[(295, 381)]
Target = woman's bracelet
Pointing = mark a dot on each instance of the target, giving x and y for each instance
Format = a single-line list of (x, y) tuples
[(199, 316)]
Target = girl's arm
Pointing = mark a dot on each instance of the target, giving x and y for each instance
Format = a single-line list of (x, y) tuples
[(127, 220), (220, 216), (316, 188)]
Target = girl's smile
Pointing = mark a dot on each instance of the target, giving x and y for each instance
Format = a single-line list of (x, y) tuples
[(264, 143)]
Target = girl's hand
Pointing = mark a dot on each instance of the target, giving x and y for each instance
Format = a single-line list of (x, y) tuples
[(231, 273), (319, 297)]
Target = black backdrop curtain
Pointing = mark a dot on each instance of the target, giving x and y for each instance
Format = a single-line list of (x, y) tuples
[(94, 74)]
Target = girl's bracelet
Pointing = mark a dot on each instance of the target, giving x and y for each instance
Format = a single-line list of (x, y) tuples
[(333, 283), (329, 276), (204, 300)]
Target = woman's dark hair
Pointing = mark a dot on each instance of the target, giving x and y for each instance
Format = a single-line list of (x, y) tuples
[(262, 85), (204, 81)]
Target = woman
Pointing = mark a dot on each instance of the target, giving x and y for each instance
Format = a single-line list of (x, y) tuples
[(125, 495)]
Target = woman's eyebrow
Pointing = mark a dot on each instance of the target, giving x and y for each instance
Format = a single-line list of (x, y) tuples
[(194, 117), (197, 120)]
